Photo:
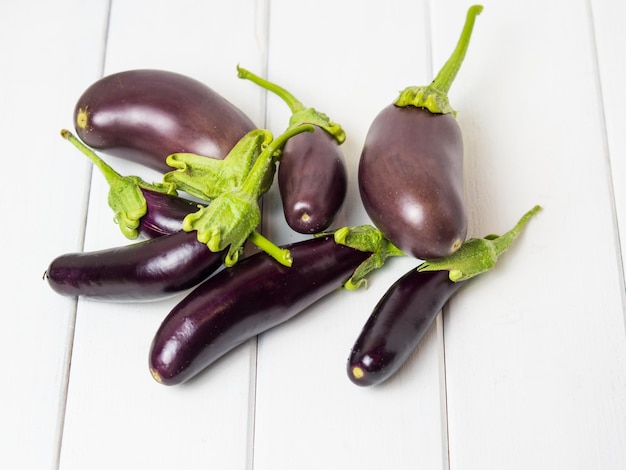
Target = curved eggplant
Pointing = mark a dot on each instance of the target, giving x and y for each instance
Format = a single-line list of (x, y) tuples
[(312, 181), (241, 302), (411, 168), (149, 270), (145, 115), (397, 324), (407, 310)]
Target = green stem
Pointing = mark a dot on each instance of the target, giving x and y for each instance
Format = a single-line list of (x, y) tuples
[(125, 196), (300, 114), (447, 74), (253, 182), (294, 104), (112, 177), (503, 242), (434, 96), (282, 255)]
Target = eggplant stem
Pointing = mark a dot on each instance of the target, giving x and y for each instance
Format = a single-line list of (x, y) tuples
[(109, 173), (294, 104), (447, 74), (282, 255)]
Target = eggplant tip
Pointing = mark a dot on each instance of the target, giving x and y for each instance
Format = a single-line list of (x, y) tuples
[(357, 372), (155, 375)]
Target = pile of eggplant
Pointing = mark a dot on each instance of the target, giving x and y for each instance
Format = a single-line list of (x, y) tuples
[(190, 229)]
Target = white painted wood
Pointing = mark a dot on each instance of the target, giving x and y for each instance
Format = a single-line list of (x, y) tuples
[(609, 38), (48, 50), (535, 350), (525, 369)]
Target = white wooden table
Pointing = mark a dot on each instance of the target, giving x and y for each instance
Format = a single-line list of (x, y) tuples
[(525, 369)]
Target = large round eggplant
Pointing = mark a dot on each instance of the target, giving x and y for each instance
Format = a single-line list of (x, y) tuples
[(397, 325), (149, 270), (241, 302), (145, 115), (411, 167)]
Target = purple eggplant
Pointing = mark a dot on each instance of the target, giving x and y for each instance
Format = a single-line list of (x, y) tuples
[(145, 115), (411, 167), (312, 181), (140, 208), (397, 325), (312, 176), (405, 313), (148, 270), (164, 213), (241, 302)]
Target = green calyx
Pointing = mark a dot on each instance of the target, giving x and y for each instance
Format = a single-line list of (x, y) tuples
[(233, 187), (366, 238), (125, 197), (300, 114), (434, 96), (477, 255)]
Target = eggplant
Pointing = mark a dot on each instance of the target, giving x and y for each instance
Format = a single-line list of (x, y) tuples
[(241, 302), (147, 114), (410, 172), (312, 176), (312, 181), (405, 313), (140, 208), (164, 213), (397, 325), (148, 270)]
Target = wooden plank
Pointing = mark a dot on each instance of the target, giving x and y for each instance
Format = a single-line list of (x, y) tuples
[(43, 205), (609, 37), (117, 415), (343, 58), (535, 351)]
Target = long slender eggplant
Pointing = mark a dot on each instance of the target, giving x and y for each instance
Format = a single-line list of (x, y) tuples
[(148, 270), (411, 167), (312, 176), (145, 115), (241, 302), (405, 313), (398, 324)]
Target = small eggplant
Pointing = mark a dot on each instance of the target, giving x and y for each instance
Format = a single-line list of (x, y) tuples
[(148, 270), (164, 213), (312, 181), (405, 313), (411, 167), (255, 295), (312, 176), (140, 208), (145, 115), (397, 325)]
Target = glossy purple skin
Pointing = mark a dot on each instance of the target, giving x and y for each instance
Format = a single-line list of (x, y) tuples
[(411, 180), (241, 302), (149, 270), (312, 180), (397, 324), (165, 213), (145, 115)]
